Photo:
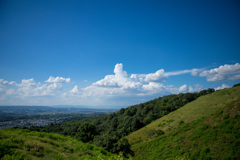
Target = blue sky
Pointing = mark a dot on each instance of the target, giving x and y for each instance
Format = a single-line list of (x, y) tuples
[(66, 52)]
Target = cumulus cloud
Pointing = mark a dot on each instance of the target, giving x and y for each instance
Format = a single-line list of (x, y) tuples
[(6, 88), (158, 76), (153, 86), (223, 86), (75, 90), (136, 81), (191, 89), (29, 87), (58, 80), (4, 83), (183, 88), (120, 84), (118, 70), (222, 73), (118, 80), (196, 88)]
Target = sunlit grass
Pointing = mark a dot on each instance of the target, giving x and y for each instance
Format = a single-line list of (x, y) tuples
[(216, 136), (203, 106), (25, 144)]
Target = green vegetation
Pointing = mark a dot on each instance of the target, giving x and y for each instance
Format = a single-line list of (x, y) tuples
[(24, 144), (203, 106), (109, 131), (208, 128)]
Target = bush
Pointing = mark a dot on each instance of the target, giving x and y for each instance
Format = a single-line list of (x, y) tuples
[(5, 148), (154, 133), (86, 132), (205, 154), (14, 157)]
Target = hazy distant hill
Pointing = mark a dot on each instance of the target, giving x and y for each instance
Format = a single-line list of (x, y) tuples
[(207, 128), (32, 110)]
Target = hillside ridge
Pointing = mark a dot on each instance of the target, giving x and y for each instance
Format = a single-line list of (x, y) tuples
[(203, 129), (200, 107)]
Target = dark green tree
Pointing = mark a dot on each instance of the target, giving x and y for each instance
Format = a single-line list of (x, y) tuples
[(86, 132)]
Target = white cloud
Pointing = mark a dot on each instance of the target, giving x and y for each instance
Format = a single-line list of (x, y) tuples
[(222, 73), (191, 89), (158, 76), (54, 87), (117, 88), (75, 90), (28, 88), (118, 70), (58, 80), (31, 88), (118, 80), (118, 85), (109, 81), (121, 85), (193, 72), (222, 87), (4, 83), (177, 73), (5, 87), (197, 88), (153, 86), (10, 92), (183, 88), (137, 82), (161, 75)]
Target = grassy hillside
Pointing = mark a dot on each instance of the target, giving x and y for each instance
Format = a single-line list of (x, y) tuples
[(203, 106), (25, 144), (207, 128)]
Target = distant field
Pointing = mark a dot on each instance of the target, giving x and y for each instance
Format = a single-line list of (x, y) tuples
[(203, 106)]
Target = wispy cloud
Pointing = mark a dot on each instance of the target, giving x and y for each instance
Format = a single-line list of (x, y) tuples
[(194, 72)]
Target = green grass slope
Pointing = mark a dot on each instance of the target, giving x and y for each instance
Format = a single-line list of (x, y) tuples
[(24, 144), (203, 106), (208, 128)]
